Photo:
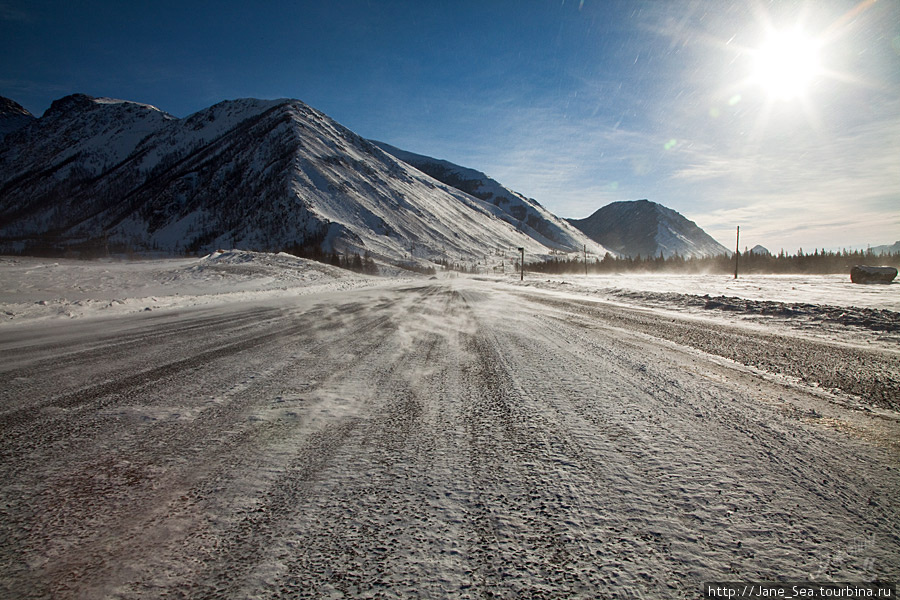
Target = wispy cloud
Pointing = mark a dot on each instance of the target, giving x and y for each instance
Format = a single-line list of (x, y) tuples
[(804, 190), (789, 227), (571, 165), (666, 113)]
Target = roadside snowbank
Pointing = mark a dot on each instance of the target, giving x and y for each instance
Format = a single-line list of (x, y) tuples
[(833, 290), (819, 306), (37, 288)]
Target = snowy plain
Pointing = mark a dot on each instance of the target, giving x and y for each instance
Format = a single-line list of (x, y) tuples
[(34, 288), (825, 307), (274, 428), (835, 290)]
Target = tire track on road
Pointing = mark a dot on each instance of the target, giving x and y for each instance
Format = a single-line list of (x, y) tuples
[(873, 376), (172, 447), (706, 464)]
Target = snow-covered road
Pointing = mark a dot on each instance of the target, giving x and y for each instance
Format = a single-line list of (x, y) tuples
[(448, 439)]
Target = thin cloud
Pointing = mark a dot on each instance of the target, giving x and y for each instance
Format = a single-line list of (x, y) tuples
[(784, 228), (572, 166), (864, 161)]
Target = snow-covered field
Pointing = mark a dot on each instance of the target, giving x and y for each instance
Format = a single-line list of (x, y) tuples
[(834, 290), (39, 288), (826, 307), (293, 432), (33, 288)]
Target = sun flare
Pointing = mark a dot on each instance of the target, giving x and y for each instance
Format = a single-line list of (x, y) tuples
[(786, 64)]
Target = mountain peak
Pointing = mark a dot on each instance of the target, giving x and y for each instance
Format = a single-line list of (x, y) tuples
[(10, 108), (645, 228), (75, 103), (13, 116), (70, 103)]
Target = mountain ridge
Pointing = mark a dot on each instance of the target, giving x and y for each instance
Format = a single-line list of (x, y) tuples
[(264, 174), (524, 213)]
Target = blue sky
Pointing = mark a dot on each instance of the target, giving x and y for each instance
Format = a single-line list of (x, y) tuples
[(576, 104)]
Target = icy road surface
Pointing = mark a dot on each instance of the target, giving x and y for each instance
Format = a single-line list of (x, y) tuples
[(451, 439)]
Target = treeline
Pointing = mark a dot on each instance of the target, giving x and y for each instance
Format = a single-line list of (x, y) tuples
[(818, 262), (101, 248), (460, 267), (353, 262)]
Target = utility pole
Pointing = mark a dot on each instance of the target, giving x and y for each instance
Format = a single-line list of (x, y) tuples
[(737, 252), (522, 272), (585, 260)]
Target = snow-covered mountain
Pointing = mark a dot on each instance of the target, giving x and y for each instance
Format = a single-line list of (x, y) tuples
[(886, 249), (645, 228), (12, 116), (526, 214), (255, 174)]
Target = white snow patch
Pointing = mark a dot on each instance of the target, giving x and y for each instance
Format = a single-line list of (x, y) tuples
[(833, 290), (821, 307), (35, 288)]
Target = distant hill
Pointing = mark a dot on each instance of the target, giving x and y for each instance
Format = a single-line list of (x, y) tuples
[(644, 228), (887, 249)]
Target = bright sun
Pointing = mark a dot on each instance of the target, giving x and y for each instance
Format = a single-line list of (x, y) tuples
[(786, 64)]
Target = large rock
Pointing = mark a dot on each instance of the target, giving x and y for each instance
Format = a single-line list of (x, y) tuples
[(867, 274)]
